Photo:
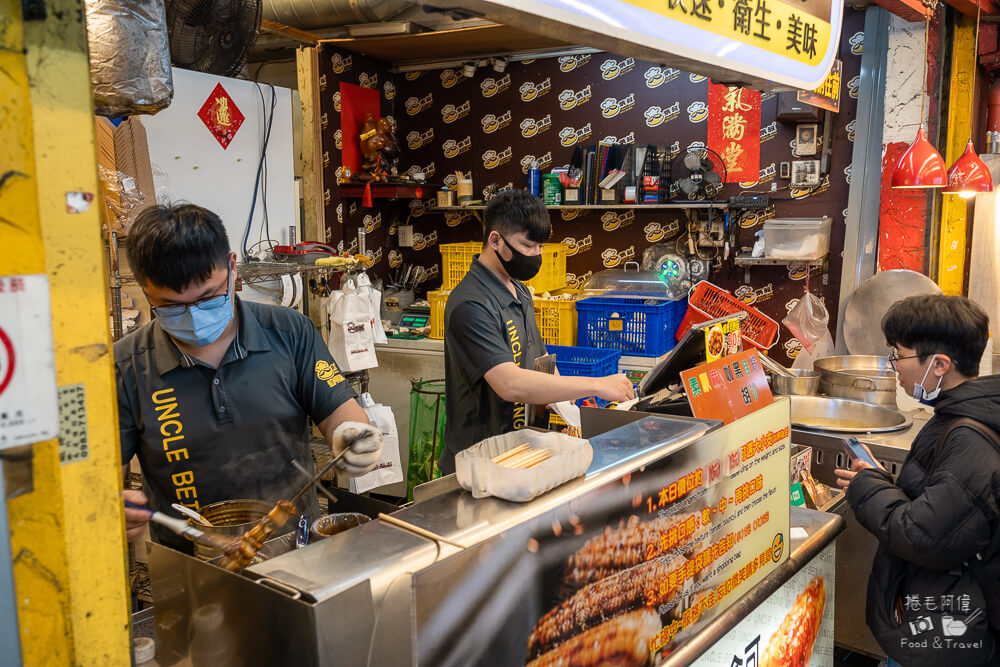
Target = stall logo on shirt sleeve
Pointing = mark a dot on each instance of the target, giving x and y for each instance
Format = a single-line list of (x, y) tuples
[(328, 373)]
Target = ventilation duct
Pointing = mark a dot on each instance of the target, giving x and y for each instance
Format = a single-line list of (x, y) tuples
[(307, 14)]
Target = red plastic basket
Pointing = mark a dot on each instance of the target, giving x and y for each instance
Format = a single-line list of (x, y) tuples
[(708, 301)]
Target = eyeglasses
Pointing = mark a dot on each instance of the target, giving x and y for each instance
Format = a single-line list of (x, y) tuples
[(893, 357), (208, 303)]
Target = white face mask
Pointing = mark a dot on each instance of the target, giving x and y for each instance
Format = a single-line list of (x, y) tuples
[(921, 394)]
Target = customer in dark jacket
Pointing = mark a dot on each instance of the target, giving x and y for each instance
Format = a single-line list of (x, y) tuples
[(942, 511)]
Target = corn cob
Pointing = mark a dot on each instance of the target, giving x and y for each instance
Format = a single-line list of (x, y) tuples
[(620, 642), (603, 600), (791, 644), (619, 549)]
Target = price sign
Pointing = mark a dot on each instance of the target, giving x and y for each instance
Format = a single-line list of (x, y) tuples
[(727, 389), (29, 409)]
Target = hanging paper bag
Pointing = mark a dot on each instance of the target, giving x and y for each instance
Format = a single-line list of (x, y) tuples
[(351, 342), (390, 469), (374, 297)]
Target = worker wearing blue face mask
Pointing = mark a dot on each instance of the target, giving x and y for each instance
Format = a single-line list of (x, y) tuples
[(935, 582), (215, 395)]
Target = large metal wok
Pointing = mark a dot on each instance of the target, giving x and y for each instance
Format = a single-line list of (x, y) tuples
[(840, 415), (858, 377)]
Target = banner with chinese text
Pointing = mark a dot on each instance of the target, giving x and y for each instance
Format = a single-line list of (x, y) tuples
[(734, 130)]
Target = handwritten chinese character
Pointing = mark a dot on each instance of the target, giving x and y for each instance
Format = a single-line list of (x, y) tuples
[(947, 603), (760, 18), (17, 285), (695, 387), (733, 127), (736, 370), (734, 101), (930, 603), (752, 652), (794, 34), (742, 15), (964, 603), (731, 155), (728, 372), (674, 4), (746, 396), (912, 602)]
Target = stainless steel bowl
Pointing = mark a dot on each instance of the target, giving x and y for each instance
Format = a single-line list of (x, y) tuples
[(331, 524), (840, 415), (801, 382), (865, 378), (230, 518)]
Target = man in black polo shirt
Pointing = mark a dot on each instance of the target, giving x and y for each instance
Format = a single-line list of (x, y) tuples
[(215, 394), (491, 339)]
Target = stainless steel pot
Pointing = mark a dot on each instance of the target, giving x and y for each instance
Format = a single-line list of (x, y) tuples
[(230, 518), (843, 416), (800, 382), (865, 378)]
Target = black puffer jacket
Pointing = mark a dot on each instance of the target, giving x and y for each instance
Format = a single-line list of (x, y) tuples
[(940, 513)]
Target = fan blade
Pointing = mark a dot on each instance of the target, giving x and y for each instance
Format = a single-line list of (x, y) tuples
[(706, 164), (692, 161), (712, 177), (688, 186)]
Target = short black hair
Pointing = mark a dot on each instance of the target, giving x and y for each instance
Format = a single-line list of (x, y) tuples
[(513, 211), (939, 324), (173, 246)]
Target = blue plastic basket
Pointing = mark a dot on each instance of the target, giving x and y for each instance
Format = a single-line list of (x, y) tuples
[(640, 327), (585, 362)]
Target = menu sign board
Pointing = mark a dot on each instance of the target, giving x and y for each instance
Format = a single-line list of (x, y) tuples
[(796, 619), (727, 389), (827, 96), (627, 572), (790, 42)]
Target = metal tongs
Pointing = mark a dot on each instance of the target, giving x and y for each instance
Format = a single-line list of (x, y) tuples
[(182, 527)]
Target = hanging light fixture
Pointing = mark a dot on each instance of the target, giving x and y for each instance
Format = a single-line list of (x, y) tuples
[(970, 175), (921, 166)]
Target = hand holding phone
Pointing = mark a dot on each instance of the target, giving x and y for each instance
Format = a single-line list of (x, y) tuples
[(855, 450)]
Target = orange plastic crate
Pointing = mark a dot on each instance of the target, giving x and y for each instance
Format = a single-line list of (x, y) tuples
[(708, 301), (556, 319), (438, 300)]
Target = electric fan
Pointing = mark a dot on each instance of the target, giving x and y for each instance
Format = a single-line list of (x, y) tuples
[(213, 36), (699, 173)]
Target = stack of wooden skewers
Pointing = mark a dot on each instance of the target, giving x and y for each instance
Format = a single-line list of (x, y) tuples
[(522, 456)]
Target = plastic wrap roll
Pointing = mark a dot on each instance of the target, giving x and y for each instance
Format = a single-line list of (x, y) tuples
[(129, 57)]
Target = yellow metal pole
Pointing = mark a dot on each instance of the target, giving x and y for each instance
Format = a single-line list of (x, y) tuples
[(953, 238), (62, 107), (38, 550)]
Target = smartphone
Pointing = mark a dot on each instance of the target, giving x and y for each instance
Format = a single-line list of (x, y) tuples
[(856, 451)]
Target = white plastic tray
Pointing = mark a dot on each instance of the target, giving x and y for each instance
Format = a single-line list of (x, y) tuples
[(478, 474)]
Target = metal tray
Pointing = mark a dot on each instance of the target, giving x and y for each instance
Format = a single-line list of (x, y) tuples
[(840, 415)]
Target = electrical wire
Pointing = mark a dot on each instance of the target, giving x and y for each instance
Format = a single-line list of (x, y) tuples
[(268, 123)]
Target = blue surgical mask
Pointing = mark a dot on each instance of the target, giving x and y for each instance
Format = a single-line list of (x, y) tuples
[(198, 324), (921, 394)]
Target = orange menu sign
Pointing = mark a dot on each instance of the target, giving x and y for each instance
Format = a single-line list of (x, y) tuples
[(727, 389)]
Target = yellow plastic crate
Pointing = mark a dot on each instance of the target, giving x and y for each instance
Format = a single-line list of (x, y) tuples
[(438, 299), (552, 275), (455, 261), (556, 319), (456, 258)]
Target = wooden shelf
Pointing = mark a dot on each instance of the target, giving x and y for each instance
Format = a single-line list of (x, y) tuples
[(599, 207), (387, 190)]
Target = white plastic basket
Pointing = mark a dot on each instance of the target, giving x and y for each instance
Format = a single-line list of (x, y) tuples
[(478, 474)]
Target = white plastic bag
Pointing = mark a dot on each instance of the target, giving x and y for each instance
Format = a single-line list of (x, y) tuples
[(390, 468), (351, 342), (374, 297), (808, 321)]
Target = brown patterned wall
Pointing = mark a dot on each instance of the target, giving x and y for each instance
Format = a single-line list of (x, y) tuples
[(494, 124)]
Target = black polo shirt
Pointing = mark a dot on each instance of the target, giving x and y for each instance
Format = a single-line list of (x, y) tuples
[(203, 434), (484, 326)]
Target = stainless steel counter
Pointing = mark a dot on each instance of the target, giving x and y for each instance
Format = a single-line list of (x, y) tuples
[(822, 529)]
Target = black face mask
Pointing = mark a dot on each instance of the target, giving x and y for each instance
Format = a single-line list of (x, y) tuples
[(520, 266)]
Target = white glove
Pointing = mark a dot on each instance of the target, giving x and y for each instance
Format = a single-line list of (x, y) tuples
[(363, 443)]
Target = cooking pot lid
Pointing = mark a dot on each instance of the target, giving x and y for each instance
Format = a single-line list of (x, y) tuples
[(872, 300)]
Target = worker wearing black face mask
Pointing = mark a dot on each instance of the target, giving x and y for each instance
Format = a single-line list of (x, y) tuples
[(491, 339)]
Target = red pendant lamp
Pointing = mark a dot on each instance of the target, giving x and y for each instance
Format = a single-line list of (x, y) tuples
[(970, 175), (921, 166)]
